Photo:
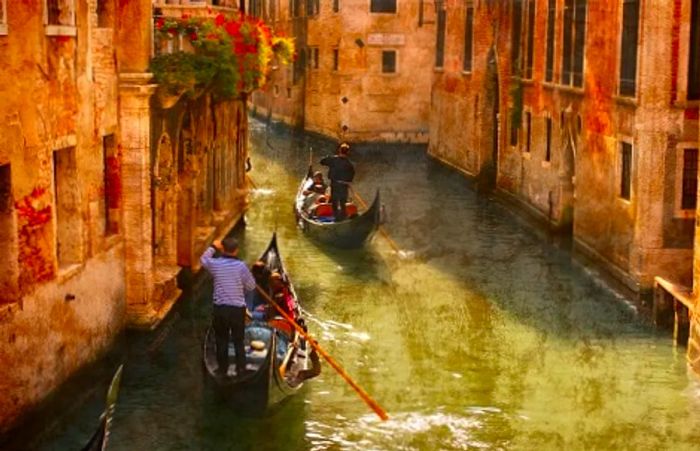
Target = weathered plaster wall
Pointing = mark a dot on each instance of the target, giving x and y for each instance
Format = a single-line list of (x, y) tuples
[(54, 335), (59, 92)]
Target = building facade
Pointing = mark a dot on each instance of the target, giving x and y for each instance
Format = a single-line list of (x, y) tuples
[(95, 175), (361, 68), (584, 113)]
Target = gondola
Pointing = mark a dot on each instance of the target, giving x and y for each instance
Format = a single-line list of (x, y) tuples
[(351, 233), (98, 441), (271, 376)]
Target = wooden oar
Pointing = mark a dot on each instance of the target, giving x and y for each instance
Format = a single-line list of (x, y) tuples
[(331, 361), (382, 230)]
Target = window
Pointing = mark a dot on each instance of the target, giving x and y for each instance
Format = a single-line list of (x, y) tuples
[(530, 38), (105, 14), (7, 237), (574, 31), (690, 179), (289, 93), (336, 59), (336, 6), (313, 57), (513, 130), (67, 207), (628, 47), (548, 148), (468, 36), (528, 130), (59, 12), (625, 170), (382, 6), (389, 61), (295, 7), (111, 179), (551, 17), (694, 54), (440, 41), (3, 17), (515, 36), (312, 7)]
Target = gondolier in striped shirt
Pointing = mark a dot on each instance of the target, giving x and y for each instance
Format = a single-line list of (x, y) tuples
[(232, 280)]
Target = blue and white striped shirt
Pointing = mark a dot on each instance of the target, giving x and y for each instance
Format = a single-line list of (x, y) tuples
[(232, 278)]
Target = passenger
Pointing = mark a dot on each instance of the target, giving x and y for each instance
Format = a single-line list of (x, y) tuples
[(281, 294), (254, 300), (341, 172), (314, 189)]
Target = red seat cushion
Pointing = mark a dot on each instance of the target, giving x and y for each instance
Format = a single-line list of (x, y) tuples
[(350, 209), (324, 210)]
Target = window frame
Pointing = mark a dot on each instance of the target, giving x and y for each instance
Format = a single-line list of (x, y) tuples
[(621, 46), (570, 56), (396, 61), (396, 8), (551, 43), (468, 26), (440, 39), (60, 29), (620, 173), (548, 125), (679, 211)]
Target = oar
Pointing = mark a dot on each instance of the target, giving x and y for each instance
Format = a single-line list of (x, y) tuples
[(382, 230), (331, 361)]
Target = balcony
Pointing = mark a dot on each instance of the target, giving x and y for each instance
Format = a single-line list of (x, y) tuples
[(193, 8)]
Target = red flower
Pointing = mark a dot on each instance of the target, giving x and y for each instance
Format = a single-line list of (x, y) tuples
[(220, 20), (160, 22), (193, 36), (185, 16)]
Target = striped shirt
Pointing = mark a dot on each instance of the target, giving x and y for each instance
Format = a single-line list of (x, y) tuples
[(232, 278)]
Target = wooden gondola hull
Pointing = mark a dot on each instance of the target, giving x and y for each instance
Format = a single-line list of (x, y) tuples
[(348, 234)]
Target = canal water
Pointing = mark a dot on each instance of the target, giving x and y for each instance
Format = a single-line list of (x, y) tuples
[(478, 333)]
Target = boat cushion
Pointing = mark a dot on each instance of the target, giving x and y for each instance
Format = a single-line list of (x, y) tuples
[(324, 210), (350, 210)]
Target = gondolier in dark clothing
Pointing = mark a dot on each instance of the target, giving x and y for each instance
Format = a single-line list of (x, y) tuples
[(232, 280), (341, 172)]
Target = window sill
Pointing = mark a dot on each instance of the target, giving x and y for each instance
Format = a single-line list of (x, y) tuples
[(686, 104), (61, 30), (67, 272), (570, 89), (549, 85), (628, 101), (624, 202), (3, 29), (439, 69), (112, 240), (546, 164), (467, 73), (684, 214), (389, 74), (526, 155)]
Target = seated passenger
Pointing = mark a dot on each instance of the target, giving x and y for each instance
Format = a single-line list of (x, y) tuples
[(254, 300), (314, 188), (281, 294)]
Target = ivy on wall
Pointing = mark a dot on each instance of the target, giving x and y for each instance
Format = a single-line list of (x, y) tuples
[(231, 55)]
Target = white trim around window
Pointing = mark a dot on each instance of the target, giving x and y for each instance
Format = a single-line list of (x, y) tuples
[(64, 23), (3, 17)]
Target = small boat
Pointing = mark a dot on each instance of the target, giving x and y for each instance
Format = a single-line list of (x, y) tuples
[(98, 441), (277, 359), (351, 233)]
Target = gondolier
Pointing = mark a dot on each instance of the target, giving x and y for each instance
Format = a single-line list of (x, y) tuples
[(232, 280), (341, 173)]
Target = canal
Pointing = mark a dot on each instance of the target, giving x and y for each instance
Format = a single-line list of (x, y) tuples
[(479, 333)]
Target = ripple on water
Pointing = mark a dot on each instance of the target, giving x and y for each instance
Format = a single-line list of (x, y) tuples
[(403, 431)]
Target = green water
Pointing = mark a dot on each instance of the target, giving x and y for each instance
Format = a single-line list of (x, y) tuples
[(478, 334)]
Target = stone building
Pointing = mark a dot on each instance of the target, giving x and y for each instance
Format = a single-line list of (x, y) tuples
[(96, 176), (585, 114), (361, 70)]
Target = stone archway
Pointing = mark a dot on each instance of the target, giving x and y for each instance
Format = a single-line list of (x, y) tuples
[(165, 190)]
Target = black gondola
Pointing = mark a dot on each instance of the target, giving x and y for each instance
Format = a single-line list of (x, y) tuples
[(351, 233), (98, 441), (271, 376)]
